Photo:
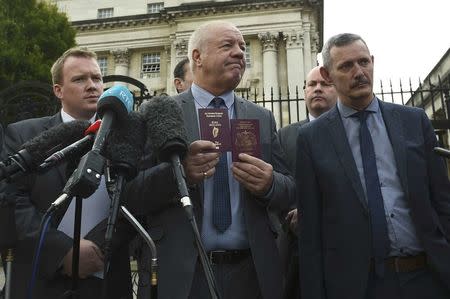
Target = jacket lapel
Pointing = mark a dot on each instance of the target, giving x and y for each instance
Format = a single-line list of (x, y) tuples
[(190, 116), (61, 168), (344, 152), (394, 127)]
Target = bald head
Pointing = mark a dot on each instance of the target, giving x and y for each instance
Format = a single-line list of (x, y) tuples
[(320, 95), (216, 53)]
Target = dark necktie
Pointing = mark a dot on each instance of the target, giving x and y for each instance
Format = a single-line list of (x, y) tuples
[(221, 214), (380, 239)]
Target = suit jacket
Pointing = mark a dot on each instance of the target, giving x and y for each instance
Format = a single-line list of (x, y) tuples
[(335, 233), (288, 140), (33, 195), (169, 227)]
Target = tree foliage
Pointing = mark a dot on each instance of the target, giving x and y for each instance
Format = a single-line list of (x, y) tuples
[(32, 36)]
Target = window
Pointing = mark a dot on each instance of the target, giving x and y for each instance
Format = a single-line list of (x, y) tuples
[(151, 65), (248, 61), (155, 7), (104, 13), (103, 64)]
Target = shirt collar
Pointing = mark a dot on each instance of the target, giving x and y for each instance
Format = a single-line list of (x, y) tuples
[(346, 111), (204, 97), (67, 117)]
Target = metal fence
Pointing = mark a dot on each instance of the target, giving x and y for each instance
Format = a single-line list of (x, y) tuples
[(35, 99)]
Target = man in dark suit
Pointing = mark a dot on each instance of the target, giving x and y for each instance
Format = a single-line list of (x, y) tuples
[(243, 252), (320, 96), (182, 75), (374, 196), (77, 82)]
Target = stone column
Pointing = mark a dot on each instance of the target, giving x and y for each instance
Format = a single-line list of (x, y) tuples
[(269, 43), (169, 76), (181, 48), (307, 47), (295, 72), (122, 61), (314, 48)]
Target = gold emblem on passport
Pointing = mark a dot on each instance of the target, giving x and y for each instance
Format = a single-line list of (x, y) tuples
[(215, 132)]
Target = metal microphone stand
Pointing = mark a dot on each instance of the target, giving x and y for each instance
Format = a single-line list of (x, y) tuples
[(151, 245)]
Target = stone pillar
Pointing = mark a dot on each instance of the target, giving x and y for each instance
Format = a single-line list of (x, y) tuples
[(307, 47), (122, 61), (169, 76), (295, 72), (181, 48), (314, 48), (269, 43)]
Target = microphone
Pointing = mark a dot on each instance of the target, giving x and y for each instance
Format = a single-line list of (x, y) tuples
[(33, 152), (124, 150), (114, 104), (73, 150), (442, 152), (168, 139)]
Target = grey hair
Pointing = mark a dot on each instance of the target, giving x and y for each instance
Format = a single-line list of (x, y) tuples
[(338, 40), (198, 39)]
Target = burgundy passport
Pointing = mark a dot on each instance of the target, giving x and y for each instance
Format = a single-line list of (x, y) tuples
[(245, 138), (215, 127)]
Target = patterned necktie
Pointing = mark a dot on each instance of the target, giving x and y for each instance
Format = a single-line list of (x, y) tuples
[(380, 239), (221, 214)]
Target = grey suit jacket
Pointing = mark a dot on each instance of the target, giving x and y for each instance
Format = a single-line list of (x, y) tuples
[(33, 195), (169, 227), (335, 228)]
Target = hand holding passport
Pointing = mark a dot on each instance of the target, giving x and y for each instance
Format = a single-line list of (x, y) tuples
[(241, 137)]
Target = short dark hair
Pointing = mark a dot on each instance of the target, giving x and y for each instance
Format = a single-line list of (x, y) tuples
[(178, 71), (338, 40)]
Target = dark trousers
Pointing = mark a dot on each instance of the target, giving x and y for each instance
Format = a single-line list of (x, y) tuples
[(234, 281), (420, 284)]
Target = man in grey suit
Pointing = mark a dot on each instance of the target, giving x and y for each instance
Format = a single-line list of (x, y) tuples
[(320, 96), (242, 251), (375, 198)]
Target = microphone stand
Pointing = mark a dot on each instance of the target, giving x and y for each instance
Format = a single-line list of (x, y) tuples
[(186, 202), (151, 245), (8, 239), (76, 246)]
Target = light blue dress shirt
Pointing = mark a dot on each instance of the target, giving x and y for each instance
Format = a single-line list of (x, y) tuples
[(401, 230), (235, 237)]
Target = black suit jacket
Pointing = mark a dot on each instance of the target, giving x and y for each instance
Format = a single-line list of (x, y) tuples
[(172, 232), (33, 195), (334, 229)]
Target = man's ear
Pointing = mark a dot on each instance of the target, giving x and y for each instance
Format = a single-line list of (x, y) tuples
[(177, 82), (57, 90), (196, 57), (325, 74)]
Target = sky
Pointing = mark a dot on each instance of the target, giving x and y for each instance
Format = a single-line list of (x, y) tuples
[(406, 37)]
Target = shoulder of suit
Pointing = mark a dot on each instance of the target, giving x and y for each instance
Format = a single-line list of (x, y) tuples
[(33, 122), (400, 108), (293, 126)]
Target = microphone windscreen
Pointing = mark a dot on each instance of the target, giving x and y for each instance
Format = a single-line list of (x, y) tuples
[(54, 139), (165, 127), (125, 145), (117, 99)]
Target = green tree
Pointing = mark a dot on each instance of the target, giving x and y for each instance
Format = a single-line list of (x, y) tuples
[(32, 36)]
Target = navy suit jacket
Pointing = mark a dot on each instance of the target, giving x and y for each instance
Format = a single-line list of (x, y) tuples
[(334, 234)]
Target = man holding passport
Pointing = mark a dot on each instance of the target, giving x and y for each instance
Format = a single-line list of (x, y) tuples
[(230, 196)]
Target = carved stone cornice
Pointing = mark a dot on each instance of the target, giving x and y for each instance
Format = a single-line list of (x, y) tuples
[(315, 40), (121, 56), (269, 41), (293, 39), (169, 14)]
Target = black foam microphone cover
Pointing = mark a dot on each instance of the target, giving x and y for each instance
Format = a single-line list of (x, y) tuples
[(54, 139), (125, 145), (165, 127)]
